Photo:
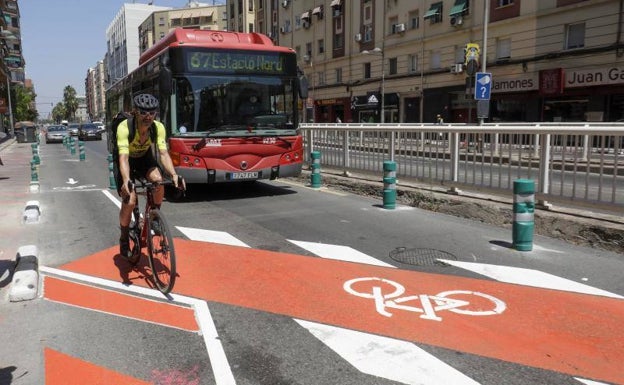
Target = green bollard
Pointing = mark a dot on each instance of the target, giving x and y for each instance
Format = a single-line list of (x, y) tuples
[(389, 179), (111, 175), (315, 177), (81, 150), (72, 145), (523, 214), (35, 153), (34, 177)]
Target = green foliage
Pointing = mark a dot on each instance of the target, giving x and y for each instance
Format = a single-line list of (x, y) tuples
[(70, 103), (58, 112), (23, 104)]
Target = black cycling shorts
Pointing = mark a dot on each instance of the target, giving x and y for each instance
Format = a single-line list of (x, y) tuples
[(139, 167)]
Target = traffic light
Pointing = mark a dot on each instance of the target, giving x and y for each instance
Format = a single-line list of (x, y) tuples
[(471, 58)]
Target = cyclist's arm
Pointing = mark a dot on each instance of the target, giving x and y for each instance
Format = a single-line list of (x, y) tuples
[(165, 159), (123, 146)]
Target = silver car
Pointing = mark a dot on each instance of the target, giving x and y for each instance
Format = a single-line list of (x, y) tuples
[(73, 129), (55, 134)]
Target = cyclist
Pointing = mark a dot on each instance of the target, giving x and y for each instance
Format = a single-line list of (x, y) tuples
[(138, 159)]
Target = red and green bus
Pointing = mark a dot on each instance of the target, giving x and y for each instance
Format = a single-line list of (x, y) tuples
[(229, 101)]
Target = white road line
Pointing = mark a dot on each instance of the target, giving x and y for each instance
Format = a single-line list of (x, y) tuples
[(113, 198), (339, 252), (589, 382), (211, 236), (529, 277), (218, 360), (389, 358)]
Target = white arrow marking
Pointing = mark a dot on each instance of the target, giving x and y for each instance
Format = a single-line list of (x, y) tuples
[(211, 236), (529, 277), (389, 358), (72, 181)]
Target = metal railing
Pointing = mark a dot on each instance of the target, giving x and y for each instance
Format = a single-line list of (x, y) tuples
[(573, 162)]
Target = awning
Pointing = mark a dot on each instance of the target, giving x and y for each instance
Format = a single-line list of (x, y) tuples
[(459, 8), (317, 10), (335, 3), (433, 11), (305, 15)]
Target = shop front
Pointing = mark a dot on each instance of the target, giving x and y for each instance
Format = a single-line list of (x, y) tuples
[(332, 110), (367, 108)]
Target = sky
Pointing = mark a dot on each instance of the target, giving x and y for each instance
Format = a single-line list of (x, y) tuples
[(62, 39)]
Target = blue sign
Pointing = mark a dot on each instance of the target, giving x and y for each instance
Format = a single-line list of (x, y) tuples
[(483, 85)]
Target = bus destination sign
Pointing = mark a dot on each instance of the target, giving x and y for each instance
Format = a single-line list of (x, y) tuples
[(235, 62)]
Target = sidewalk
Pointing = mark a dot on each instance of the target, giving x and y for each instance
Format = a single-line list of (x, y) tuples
[(14, 195)]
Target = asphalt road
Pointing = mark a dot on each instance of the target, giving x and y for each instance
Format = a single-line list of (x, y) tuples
[(280, 283)]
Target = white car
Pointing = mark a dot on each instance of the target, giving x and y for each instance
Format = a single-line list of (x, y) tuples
[(100, 125)]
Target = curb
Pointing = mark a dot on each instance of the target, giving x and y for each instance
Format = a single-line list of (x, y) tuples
[(25, 282)]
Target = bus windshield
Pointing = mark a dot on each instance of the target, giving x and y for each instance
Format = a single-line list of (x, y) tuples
[(234, 105)]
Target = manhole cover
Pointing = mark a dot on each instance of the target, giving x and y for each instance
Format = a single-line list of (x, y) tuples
[(420, 257)]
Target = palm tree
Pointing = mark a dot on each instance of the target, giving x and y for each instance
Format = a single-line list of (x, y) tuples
[(70, 102)]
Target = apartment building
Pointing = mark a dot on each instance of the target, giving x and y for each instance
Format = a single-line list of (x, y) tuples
[(193, 16), (550, 60), (11, 59)]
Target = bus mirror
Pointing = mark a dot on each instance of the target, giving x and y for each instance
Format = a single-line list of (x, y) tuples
[(164, 81), (303, 86)]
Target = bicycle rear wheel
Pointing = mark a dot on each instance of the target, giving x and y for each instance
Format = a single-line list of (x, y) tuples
[(161, 252)]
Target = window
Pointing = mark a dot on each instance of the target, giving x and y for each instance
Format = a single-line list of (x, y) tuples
[(503, 48), (460, 54), (367, 70), (338, 75), (392, 22), (309, 49), (338, 40), (434, 14), (321, 78), (504, 3), (412, 63), (368, 33), (413, 19), (459, 8), (321, 46), (393, 64), (575, 36), (161, 21), (435, 60)]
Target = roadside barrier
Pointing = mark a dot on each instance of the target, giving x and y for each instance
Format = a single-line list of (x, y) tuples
[(315, 176), (523, 214), (81, 150), (35, 153), (34, 176), (72, 145), (389, 180), (111, 175)]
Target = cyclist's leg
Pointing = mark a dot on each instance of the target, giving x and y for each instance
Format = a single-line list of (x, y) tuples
[(125, 213), (154, 174)]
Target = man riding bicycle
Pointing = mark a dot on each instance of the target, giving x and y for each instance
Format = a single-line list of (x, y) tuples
[(137, 159)]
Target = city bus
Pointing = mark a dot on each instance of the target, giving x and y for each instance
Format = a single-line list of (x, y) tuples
[(229, 102)]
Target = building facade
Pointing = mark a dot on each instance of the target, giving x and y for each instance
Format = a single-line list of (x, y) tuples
[(122, 40), (11, 60), (193, 16), (552, 60)]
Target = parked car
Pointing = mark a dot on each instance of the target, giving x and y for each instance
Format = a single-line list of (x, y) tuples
[(89, 131), (55, 134), (73, 128), (100, 125)]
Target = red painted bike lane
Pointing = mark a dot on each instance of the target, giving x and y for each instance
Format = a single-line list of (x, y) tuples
[(575, 334)]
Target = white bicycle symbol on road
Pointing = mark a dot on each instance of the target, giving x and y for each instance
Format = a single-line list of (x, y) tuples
[(430, 304)]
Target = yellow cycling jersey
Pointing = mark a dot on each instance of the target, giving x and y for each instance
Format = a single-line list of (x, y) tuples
[(134, 148)]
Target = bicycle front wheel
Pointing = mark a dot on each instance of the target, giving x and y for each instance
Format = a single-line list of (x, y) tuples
[(161, 252)]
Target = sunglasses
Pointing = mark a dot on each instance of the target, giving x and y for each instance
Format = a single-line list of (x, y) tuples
[(145, 113)]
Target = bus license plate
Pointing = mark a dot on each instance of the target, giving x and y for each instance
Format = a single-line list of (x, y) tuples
[(245, 175)]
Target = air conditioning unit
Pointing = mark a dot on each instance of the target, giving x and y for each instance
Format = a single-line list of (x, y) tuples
[(306, 58), (358, 37), (456, 21), (399, 28), (269, 34), (285, 3), (305, 24), (457, 68)]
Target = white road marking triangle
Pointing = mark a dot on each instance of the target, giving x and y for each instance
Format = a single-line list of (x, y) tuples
[(338, 252)]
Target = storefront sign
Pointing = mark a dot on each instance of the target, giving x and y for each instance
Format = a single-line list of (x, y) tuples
[(515, 84), (551, 82), (595, 77)]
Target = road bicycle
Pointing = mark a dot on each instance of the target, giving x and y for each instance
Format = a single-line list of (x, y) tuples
[(151, 230), (429, 304)]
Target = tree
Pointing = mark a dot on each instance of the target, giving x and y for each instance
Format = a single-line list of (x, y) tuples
[(58, 112), (70, 103), (23, 104)]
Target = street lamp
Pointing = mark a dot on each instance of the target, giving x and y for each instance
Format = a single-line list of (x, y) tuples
[(379, 51)]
